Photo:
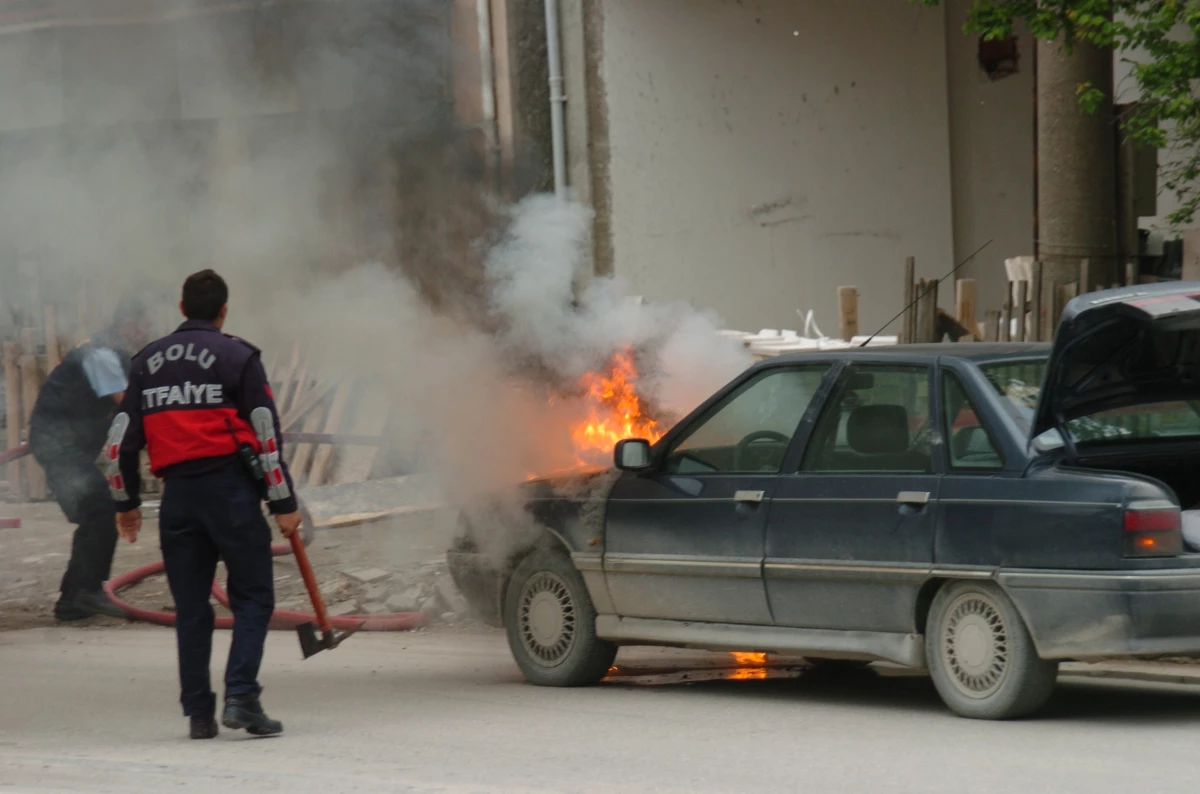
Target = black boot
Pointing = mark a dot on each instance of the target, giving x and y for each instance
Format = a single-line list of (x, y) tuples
[(203, 727), (247, 712), (84, 604)]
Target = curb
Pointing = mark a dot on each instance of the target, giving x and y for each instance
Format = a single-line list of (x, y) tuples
[(1116, 673)]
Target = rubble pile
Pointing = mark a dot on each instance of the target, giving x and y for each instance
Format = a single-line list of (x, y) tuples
[(353, 590)]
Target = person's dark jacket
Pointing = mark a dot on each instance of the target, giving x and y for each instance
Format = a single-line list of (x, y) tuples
[(70, 421)]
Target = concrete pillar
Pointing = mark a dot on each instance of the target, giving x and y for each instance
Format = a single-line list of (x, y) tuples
[(1076, 165), (598, 152)]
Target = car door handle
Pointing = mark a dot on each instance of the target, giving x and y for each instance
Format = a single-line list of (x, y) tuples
[(914, 498), (749, 497)]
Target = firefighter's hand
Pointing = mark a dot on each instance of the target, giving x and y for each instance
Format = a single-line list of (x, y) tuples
[(129, 524), (288, 523)]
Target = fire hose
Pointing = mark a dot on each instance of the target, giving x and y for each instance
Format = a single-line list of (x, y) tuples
[(280, 619)]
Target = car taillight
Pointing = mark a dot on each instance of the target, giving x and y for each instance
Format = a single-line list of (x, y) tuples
[(1153, 531)]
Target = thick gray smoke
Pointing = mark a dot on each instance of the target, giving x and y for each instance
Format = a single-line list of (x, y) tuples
[(490, 404), (308, 153)]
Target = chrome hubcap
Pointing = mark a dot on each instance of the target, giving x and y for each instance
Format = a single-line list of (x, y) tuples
[(547, 619), (975, 646)]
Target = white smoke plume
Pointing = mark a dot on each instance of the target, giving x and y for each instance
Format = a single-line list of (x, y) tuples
[(488, 408), (343, 221)]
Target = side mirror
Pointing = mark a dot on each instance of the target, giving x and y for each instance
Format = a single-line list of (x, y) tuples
[(632, 454), (1048, 441)]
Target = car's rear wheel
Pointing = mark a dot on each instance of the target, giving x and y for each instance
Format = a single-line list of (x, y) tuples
[(981, 657), (551, 624)]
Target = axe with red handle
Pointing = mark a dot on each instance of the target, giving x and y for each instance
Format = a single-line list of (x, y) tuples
[(310, 643)]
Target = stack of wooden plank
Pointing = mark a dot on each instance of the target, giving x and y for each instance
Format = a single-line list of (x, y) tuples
[(30, 353), (307, 403), (311, 404), (1033, 306)]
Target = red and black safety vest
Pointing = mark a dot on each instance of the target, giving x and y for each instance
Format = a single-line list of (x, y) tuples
[(194, 398)]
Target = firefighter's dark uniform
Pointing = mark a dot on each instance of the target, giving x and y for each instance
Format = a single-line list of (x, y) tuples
[(67, 428), (194, 398)]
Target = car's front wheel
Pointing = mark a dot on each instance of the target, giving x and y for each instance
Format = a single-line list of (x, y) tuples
[(981, 657), (551, 624)]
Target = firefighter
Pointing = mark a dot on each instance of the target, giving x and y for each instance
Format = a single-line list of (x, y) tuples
[(199, 401), (66, 436)]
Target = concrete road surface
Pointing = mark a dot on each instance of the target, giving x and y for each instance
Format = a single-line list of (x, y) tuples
[(95, 711)]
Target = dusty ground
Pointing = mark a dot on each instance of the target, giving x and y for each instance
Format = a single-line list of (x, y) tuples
[(446, 712), (93, 707), (403, 556)]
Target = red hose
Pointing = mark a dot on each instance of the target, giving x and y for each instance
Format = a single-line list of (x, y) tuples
[(281, 619), (9, 455)]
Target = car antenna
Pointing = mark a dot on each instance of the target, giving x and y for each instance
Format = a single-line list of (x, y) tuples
[(977, 252)]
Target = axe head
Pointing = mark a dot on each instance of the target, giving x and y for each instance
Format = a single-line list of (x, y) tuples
[(311, 644)]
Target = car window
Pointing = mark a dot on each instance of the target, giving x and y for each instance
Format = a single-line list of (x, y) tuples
[(970, 445), (751, 429), (877, 422), (1019, 382), (1152, 420)]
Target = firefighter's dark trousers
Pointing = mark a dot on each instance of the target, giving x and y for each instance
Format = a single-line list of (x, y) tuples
[(203, 519)]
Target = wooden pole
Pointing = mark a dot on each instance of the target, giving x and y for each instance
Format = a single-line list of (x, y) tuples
[(907, 324), (324, 452), (53, 352), (848, 312), (31, 384), (926, 311), (12, 416), (1065, 294), (1022, 310), (286, 386), (964, 303), (1036, 308), (1006, 315), (991, 324), (81, 315)]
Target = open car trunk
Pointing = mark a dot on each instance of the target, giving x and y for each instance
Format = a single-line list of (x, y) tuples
[(1116, 354), (1122, 389)]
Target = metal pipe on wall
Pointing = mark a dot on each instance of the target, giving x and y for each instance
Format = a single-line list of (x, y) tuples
[(557, 100), (483, 16)]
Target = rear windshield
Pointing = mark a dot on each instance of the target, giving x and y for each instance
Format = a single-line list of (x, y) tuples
[(1020, 382)]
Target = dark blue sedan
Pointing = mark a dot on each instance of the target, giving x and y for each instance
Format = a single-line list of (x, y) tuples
[(983, 511)]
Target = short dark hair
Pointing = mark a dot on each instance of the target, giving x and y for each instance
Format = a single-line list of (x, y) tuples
[(204, 294), (130, 308)]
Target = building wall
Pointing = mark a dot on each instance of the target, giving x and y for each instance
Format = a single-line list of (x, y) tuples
[(764, 153), (992, 151), (758, 155)]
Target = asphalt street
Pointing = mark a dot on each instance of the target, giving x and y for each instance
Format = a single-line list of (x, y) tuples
[(95, 710)]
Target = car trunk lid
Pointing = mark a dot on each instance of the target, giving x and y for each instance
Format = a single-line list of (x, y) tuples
[(1122, 348)]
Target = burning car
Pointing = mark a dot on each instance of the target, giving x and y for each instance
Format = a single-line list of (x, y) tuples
[(984, 511)]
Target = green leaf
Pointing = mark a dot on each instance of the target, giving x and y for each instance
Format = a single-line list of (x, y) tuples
[(1162, 40)]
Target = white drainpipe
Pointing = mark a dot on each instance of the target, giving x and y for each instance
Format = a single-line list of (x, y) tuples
[(557, 100), (483, 13)]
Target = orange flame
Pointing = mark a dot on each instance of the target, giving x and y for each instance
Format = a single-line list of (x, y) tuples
[(749, 666), (614, 412)]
